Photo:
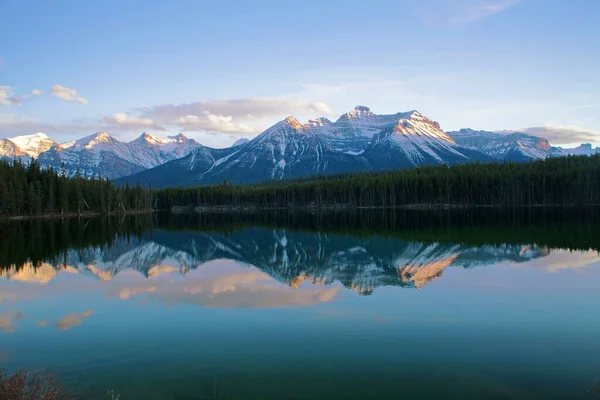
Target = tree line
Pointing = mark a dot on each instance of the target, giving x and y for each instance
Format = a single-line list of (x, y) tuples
[(572, 180), (29, 190)]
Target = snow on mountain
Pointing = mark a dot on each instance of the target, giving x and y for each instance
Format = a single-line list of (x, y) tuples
[(101, 155), (415, 140), (585, 149), (353, 131), (288, 149), (515, 146), (358, 141), (33, 145), (25, 147)]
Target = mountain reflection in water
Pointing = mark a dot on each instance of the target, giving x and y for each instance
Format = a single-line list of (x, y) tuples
[(292, 258), (469, 304)]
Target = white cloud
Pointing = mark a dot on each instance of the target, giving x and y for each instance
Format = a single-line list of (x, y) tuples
[(72, 320), (211, 122), (8, 321), (67, 94), (233, 116), (560, 135), (7, 98), (125, 122), (561, 260), (10, 125)]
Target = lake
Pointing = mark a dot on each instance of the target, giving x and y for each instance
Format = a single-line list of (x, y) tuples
[(471, 304)]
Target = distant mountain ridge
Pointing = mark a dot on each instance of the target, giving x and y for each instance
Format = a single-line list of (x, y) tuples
[(99, 154), (357, 141), (516, 146)]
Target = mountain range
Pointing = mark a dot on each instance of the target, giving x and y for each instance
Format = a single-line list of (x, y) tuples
[(98, 155), (357, 141)]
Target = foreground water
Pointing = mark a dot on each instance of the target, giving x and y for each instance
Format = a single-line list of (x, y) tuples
[(416, 305)]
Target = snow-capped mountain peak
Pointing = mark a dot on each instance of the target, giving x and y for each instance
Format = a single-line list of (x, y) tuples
[(293, 122), (179, 138), (98, 139), (33, 145), (322, 121), (513, 146), (100, 154), (358, 113), (416, 123), (147, 138)]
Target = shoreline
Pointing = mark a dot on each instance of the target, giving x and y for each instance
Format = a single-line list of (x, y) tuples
[(88, 214), (341, 208)]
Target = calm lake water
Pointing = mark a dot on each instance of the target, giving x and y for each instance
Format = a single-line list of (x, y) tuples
[(372, 305)]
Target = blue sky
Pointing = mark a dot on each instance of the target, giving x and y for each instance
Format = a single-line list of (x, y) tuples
[(223, 70)]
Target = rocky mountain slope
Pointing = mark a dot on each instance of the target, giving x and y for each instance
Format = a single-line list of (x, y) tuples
[(25, 147), (515, 146), (101, 155), (358, 141)]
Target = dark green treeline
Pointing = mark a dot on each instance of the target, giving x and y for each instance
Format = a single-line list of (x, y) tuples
[(572, 180), (28, 190), (42, 240), (575, 180)]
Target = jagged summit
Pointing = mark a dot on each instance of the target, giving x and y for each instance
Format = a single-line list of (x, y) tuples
[(416, 123), (148, 139), (27, 145), (93, 140), (180, 137), (359, 112), (322, 121), (506, 146), (293, 122)]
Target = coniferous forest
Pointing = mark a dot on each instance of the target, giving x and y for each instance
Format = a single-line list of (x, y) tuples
[(28, 190), (572, 180)]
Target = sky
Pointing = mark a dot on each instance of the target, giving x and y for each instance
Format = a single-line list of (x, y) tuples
[(218, 71)]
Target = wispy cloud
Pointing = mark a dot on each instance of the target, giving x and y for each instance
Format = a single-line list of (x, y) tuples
[(67, 94), (452, 12), (11, 125), (560, 135), (122, 121), (72, 320), (7, 97), (233, 115), (7, 321), (482, 9)]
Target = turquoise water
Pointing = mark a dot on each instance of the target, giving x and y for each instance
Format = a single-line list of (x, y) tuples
[(257, 311)]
